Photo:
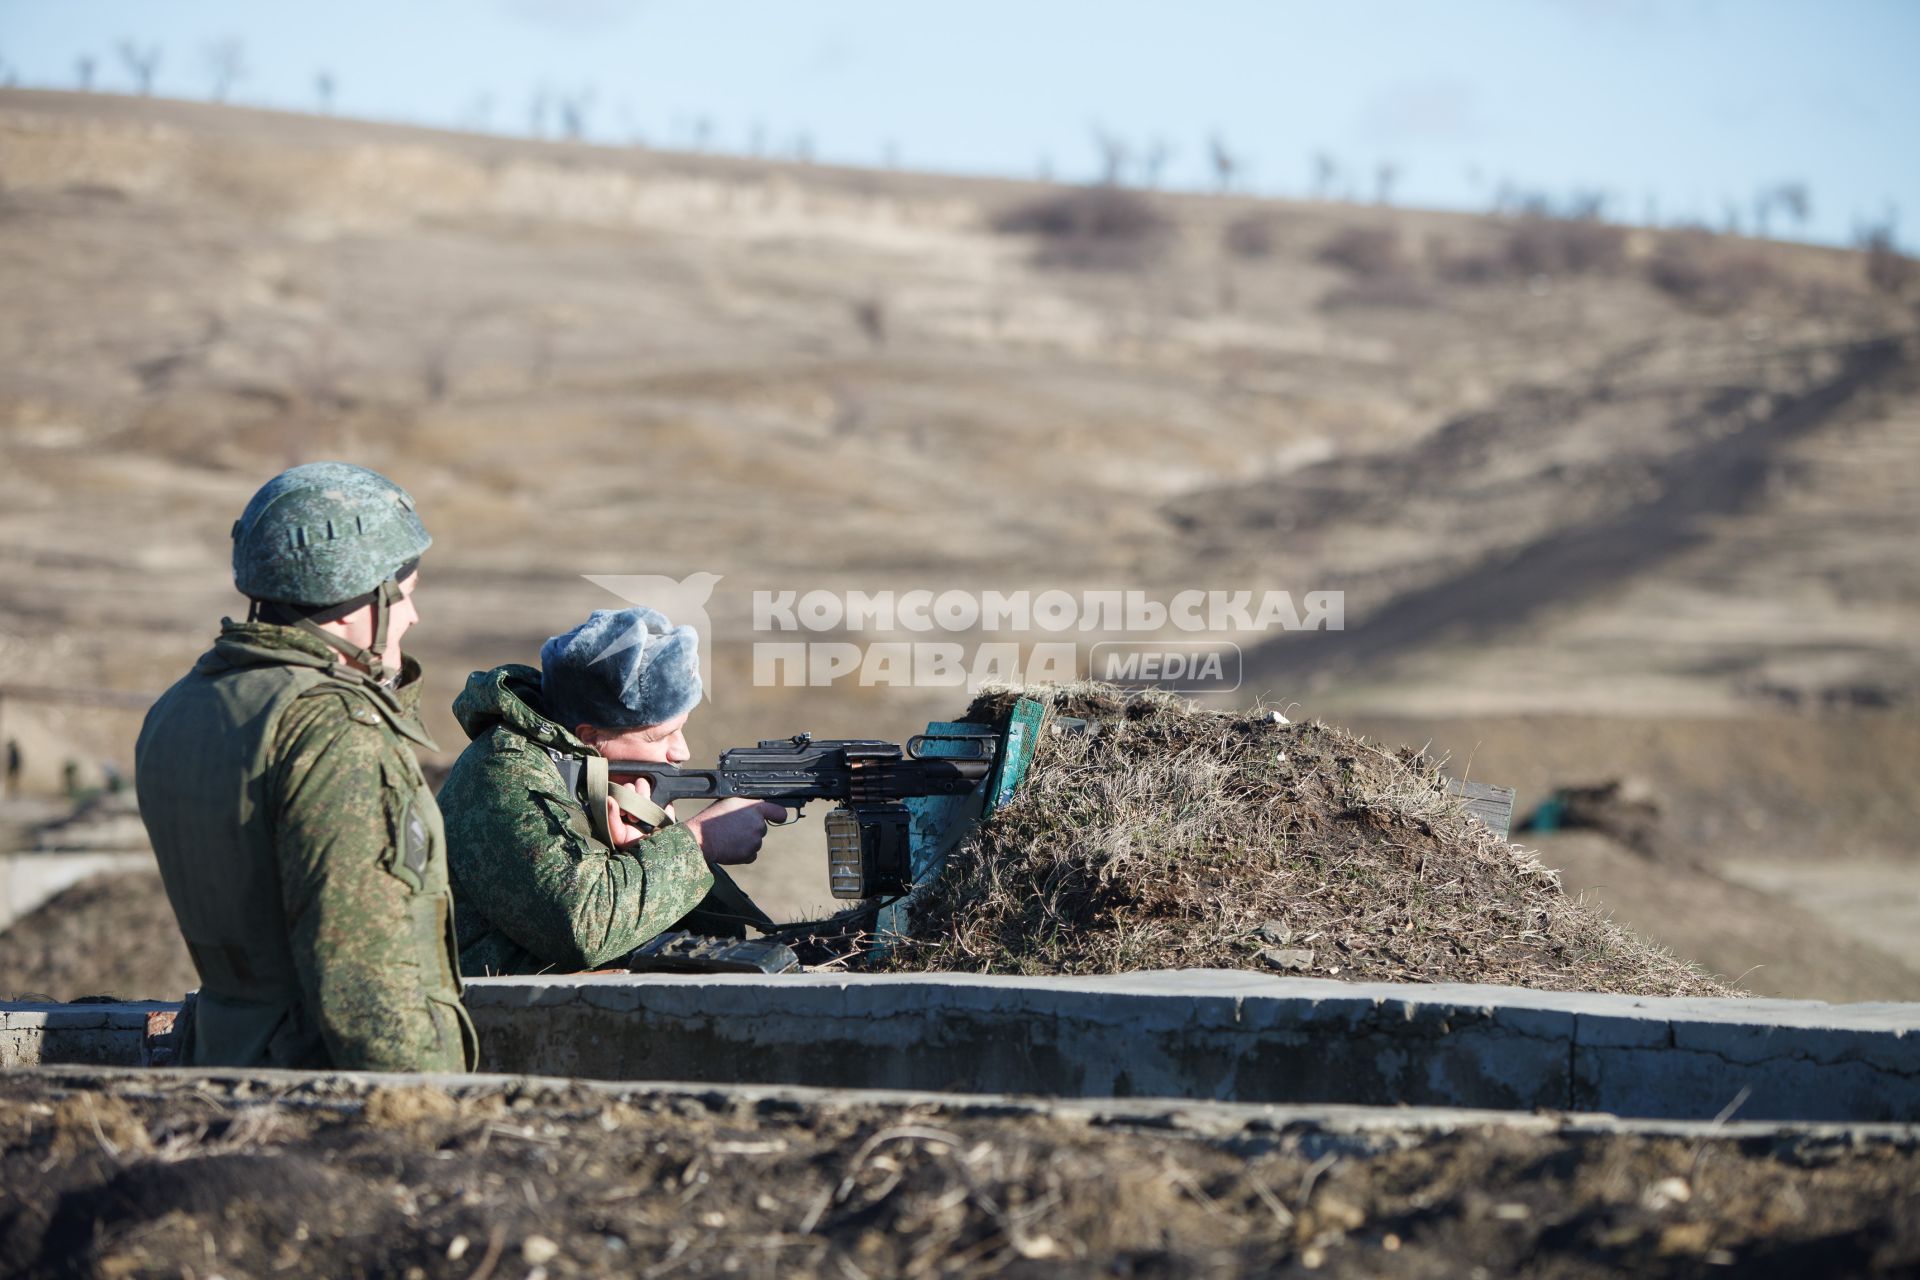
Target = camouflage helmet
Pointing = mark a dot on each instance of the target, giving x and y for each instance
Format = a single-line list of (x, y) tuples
[(324, 533)]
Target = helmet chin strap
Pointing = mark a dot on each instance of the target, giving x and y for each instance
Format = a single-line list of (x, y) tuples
[(373, 658)]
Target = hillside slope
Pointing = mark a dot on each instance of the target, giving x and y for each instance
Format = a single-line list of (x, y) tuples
[(1559, 469)]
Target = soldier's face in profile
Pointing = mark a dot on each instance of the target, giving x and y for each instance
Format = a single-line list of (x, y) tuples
[(357, 627), (401, 617), (664, 743)]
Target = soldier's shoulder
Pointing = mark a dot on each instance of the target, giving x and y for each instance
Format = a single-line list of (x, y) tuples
[(327, 699), (500, 752), (501, 767), (333, 715)]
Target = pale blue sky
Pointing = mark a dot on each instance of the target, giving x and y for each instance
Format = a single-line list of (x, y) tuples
[(1678, 105)]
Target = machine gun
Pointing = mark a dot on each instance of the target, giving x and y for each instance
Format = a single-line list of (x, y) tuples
[(868, 838)]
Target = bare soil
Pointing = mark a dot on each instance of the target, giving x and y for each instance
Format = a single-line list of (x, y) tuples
[(110, 935), (164, 1175), (1764, 943), (1783, 857)]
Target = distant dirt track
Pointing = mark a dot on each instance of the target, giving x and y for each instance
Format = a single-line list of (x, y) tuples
[(1719, 477)]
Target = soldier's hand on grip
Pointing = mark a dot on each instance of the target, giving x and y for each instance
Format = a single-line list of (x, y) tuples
[(731, 831)]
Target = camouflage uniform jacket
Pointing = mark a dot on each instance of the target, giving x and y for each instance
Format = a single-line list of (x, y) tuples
[(534, 888), (305, 860)]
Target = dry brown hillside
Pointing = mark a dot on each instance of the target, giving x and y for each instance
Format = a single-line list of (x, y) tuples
[(1587, 488)]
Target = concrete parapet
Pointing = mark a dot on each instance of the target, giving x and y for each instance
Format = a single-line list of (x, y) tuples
[(1201, 1035), (94, 1033), (1220, 1035)]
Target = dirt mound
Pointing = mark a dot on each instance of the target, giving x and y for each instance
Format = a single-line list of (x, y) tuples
[(261, 1177), (110, 935), (1177, 837)]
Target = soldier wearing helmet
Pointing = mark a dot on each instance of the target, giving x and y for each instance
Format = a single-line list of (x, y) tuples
[(300, 846)]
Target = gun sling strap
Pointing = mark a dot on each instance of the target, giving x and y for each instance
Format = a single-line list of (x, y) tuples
[(371, 659), (631, 802), (726, 900)]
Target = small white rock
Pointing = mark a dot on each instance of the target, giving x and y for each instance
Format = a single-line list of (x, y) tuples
[(1667, 1192), (538, 1250)]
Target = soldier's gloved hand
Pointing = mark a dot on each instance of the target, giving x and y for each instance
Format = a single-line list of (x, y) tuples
[(730, 831)]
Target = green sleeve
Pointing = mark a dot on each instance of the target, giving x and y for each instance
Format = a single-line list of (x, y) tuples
[(353, 934), (529, 862)]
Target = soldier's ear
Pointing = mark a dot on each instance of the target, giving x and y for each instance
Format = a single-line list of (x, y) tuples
[(586, 733)]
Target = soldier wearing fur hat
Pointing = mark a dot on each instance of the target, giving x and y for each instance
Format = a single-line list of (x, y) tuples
[(539, 882), (298, 842)]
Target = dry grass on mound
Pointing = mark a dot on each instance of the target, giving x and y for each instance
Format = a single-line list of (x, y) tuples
[(1176, 837)]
